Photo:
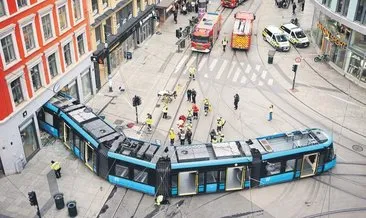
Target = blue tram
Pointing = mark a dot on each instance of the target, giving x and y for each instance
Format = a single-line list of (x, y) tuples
[(185, 170)]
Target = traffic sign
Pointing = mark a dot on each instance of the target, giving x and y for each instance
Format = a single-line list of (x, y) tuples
[(298, 59)]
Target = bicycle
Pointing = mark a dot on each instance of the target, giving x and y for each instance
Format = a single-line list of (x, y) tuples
[(323, 58)]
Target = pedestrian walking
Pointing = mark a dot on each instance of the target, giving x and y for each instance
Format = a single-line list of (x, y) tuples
[(220, 124), (195, 111), (189, 95), (189, 135), (190, 116), (149, 122), (224, 43), (182, 136), (192, 72), (165, 111), (175, 14), (212, 134), (270, 114), (236, 101), (57, 168), (171, 136), (293, 8), (206, 106), (194, 94), (303, 6)]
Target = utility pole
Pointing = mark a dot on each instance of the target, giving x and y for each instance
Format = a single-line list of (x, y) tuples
[(136, 101), (108, 59)]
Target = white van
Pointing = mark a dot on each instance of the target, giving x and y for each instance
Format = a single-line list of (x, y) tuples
[(295, 35), (276, 38)]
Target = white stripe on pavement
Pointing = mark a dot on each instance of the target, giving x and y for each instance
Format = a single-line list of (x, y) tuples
[(189, 64), (257, 67), (270, 82), (206, 75), (264, 73), (222, 68), (243, 79), (236, 75), (213, 64), (260, 83), (231, 69), (242, 64), (248, 69), (177, 68), (202, 63), (254, 77)]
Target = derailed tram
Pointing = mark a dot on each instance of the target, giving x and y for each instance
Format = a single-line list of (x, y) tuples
[(185, 170)]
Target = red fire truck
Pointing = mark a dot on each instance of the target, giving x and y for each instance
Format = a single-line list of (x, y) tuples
[(206, 32), (242, 32), (231, 3)]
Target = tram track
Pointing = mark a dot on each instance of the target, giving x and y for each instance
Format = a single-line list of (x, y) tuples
[(333, 212)]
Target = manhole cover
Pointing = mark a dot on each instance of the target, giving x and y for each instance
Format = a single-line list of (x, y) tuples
[(118, 122), (357, 148)]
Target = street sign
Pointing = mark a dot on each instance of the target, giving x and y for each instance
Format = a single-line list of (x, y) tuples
[(298, 59)]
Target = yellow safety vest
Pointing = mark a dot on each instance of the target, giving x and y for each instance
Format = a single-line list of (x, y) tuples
[(149, 121), (55, 166), (171, 135)]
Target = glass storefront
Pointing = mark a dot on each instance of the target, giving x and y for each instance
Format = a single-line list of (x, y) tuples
[(29, 139), (87, 86), (71, 89), (117, 56)]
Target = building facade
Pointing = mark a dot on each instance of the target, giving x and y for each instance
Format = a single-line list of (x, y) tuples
[(44, 48), (339, 30), (123, 26)]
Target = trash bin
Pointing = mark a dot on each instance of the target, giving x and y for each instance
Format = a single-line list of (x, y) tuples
[(129, 55), (271, 54), (71, 206), (59, 200), (183, 43)]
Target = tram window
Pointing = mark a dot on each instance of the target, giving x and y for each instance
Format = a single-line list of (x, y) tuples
[(222, 176), (290, 165), (174, 180), (77, 141), (331, 154), (298, 164), (140, 176), (273, 168), (212, 176), (201, 178), (71, 138), (321, 160), (48, 118), (122, 171)]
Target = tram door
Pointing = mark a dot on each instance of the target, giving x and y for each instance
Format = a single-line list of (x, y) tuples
[(66, 135), (309, 165), (90, 157), (187, 183), (234, 178)]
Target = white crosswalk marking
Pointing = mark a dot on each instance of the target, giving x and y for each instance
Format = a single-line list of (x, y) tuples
[(206, 75), (202, 63), (222, 68), (177, 68), (236, 75), (213, 64), (264, 73), (257, 67), (270, 82), (260, 83), (242, 64), (189, 64), (254, 77), (243, 79), (248, 69), (231, 69)]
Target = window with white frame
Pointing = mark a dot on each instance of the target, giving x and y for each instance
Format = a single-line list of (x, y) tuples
[(47, 26), (67, 54), (105, 3), (36, 77), (63, 18), (98, 35), (8, 49), (95, 7), (28, 35), (22, 3), (77, 10), (81, 44), (17, 91), (52, 65), (2, 8)]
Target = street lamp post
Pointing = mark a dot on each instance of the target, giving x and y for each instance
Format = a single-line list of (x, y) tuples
[(108, 59)]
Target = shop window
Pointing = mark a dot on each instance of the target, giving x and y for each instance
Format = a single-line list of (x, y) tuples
[(98, 35), (360, 11), (211, 177), (273, 168), (29, 139), (52, 65), (355, 65), (140, 176), (201, 178), (358, 41), (122, 171), (87, 88), (16, 89), (36, 77), (290, 165), (95, 7), (2, 8)]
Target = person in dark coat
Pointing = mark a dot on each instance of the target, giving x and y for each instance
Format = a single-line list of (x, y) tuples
[(302, 6), (213, 134), (189, 135), (236, 101), (194, 94), (293, 8), (189, 95)]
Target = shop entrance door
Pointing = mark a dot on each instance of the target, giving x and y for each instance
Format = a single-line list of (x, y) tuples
[(66, 136), (90, 158), (326, 46)]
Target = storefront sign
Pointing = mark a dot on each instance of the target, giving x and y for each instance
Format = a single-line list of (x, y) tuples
[(332, 38)]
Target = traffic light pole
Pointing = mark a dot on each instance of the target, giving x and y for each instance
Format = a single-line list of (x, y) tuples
[(137, 116), (38, 212), (293, 81)]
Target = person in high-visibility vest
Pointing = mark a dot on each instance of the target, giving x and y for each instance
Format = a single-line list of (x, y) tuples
[(171, 136), (214, 140), (221, 137), (149, 121), (224, 43), (57, 168), (192, 72), (220, 124), (190, 115), (159, 199), (165, 111), (206, 106)]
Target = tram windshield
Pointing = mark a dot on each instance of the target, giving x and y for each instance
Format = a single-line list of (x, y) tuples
[(200, 39)]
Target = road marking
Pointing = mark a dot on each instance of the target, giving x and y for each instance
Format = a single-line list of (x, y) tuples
[(243, 79), (257, 67), (213, 64), (231, 69), (260, 83), (206, 76), (254, 77), (242, 64), (189, 64), (270, 82), (341, 99), (222, 68), (236, 75), (177, 68), (248, 69), (202, 63), (264, 73)]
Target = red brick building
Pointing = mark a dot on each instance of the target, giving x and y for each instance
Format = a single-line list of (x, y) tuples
[(44, 47)]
